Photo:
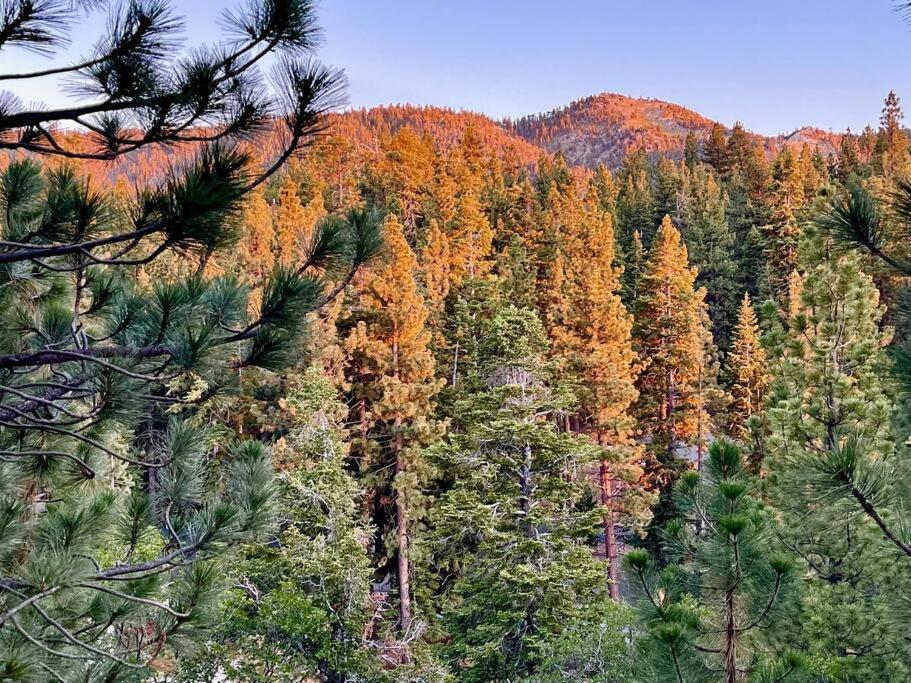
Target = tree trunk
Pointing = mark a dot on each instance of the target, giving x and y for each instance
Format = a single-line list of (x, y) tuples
[(363, 464), (671, 417), (700, 444), (525, 490), (401, 535), (455, 364), (610, 538), (730, 638), (401, 513)]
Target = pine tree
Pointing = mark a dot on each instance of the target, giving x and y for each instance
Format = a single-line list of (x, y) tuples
[(294, 222), (710, 245), (122, 496), (636, 205), (256, 256), (740, 150), (891, 156), (635, 263), (301, 605), (833, 466), (401, 178), (435, 266), (690, 150), (848, 161), (810, 173), (669, 338), (747, 369), (605, 189), (668, 188), (715, 149), (782, 232), (391, 346), (470, 239), (513, 528), (707, 613), (592, 338)]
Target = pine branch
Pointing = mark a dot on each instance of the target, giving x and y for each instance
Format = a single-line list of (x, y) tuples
[(854, 222), (870, 510)]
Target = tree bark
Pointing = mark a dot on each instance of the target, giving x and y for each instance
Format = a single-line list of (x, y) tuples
[(455, 364), (671, 416), (610, 538), (730, 638), (700, 444), (401, 514), (401, 535)]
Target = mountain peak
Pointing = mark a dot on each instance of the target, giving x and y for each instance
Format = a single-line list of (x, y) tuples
[(603, 128)]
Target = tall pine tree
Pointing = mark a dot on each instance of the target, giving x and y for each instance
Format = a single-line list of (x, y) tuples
[(390, 349)]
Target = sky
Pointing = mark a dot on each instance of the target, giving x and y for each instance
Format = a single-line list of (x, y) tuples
[(774, 65)]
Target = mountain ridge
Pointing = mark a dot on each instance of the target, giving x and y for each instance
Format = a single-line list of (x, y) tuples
[(593, 130)]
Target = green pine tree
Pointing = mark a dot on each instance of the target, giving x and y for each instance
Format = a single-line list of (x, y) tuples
[(121, 494), (708, 615), (835, 471), (513, 530), (710, 243)]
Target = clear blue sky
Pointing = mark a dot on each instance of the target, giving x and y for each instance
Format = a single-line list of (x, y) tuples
[(773, 64)]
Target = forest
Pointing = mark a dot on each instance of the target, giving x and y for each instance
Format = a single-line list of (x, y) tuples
[(290, 393)]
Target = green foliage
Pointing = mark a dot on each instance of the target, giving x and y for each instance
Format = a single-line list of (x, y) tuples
[(512, 527), (834, 470), (302, 602), (715, 611), (122, 499)]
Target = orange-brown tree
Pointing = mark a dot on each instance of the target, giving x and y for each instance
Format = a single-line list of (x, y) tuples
[(670, 336), (392, 361), (592, 335), (747, 369)]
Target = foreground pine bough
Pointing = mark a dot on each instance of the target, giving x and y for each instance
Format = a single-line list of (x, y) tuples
[(115, 511)]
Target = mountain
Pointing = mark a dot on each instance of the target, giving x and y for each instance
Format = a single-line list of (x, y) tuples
[(825, 140), (596, 130), (365, 128), (601, 129)]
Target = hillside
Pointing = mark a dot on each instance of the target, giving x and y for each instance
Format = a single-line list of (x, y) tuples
[(596, 130), (364, 128), (603, 128)]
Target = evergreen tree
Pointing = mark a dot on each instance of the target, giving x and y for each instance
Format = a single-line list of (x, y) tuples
[(848, 161), (390, 344), (715, 149), (513, 528), (470, 239), (710, 245), (782, 233), (636, 206), (401, 178), (708, 613), (690, 150), (635, 263), (294, 223), (668, 188), (747, 370), (301, 606), (669, 338), (256, 256), (436, 266), (605, 189), (834, 468), (740, 154), (122, 500), (891, 155), (593, 339)]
